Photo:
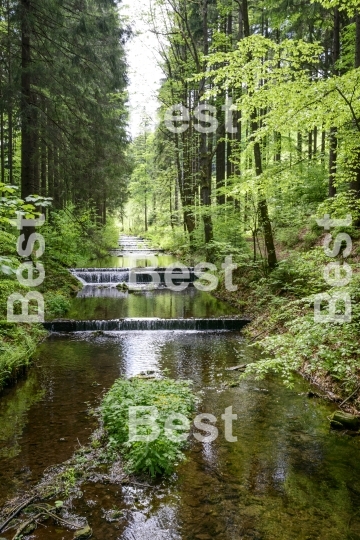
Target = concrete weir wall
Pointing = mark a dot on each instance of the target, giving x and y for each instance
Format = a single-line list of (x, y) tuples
[(116, 325)]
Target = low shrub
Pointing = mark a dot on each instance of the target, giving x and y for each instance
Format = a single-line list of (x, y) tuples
[(18, 343), (56, 304), (169, 397)]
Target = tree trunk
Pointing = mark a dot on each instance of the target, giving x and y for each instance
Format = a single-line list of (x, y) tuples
[(2, 143), (332, 160), (310, 148), (27, 110), (299, 145), (205, 167), (262, 203), (10, 102), (333, 142), (277, 137), (315, 141), (220, 167)]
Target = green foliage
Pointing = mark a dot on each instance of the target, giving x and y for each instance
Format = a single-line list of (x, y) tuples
[(17, 344), (56, 304), (343, 204), (169, 239), (296, 341), (17, 341), (69, 480), (300, 274), (11, 204), (73, 237), (169, 397)]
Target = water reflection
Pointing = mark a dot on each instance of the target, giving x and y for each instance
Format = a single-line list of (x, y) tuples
[(135, 260), (109, 303)]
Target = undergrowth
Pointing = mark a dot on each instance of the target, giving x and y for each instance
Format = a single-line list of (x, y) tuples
[(70, 241), (161, 455)]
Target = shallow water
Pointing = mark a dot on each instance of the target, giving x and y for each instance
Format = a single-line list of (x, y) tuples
[(286, 477)]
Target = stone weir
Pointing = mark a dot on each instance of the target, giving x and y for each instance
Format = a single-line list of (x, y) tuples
[(108, 276), (140, 324)]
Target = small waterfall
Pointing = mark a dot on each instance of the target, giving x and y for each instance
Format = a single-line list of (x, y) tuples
[(118, 325), (108, 276), (101, 276)]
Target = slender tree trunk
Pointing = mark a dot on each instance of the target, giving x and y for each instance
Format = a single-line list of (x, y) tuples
[(333, 141), (43, 154), (220, 165), (10, 102), (315, 134), (277, 137), (36, 147), (57, 179), (299, 145), (323, 145), (262, 203), (310, 148), (2, 142), (50, 159), (357, 40), (27, 110), (205, 167)]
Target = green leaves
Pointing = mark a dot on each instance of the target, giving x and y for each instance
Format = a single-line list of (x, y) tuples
[(161, 455), (11, 204)]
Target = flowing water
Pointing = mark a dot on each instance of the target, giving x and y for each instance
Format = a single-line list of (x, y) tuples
[(287, 477)]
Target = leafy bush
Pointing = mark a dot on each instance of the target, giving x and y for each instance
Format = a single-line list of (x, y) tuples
[(73, 238), (17, 344), (56, 304), (289, 237), (332, 349), (340, 206), (173, 240), (169, 397), (300, 274)]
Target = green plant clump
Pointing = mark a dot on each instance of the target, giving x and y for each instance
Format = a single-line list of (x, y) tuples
[(170, 397)]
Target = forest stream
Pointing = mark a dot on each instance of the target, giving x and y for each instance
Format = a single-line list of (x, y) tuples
[(288, 477)]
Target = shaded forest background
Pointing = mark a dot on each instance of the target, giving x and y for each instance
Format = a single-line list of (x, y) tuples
[(62, 102), (292, 73)]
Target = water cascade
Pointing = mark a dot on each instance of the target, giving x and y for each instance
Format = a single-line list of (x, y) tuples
[(139, 324), (108, 276)]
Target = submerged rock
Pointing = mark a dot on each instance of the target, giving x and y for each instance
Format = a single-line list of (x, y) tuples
[(84, 533), (343, 420)]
